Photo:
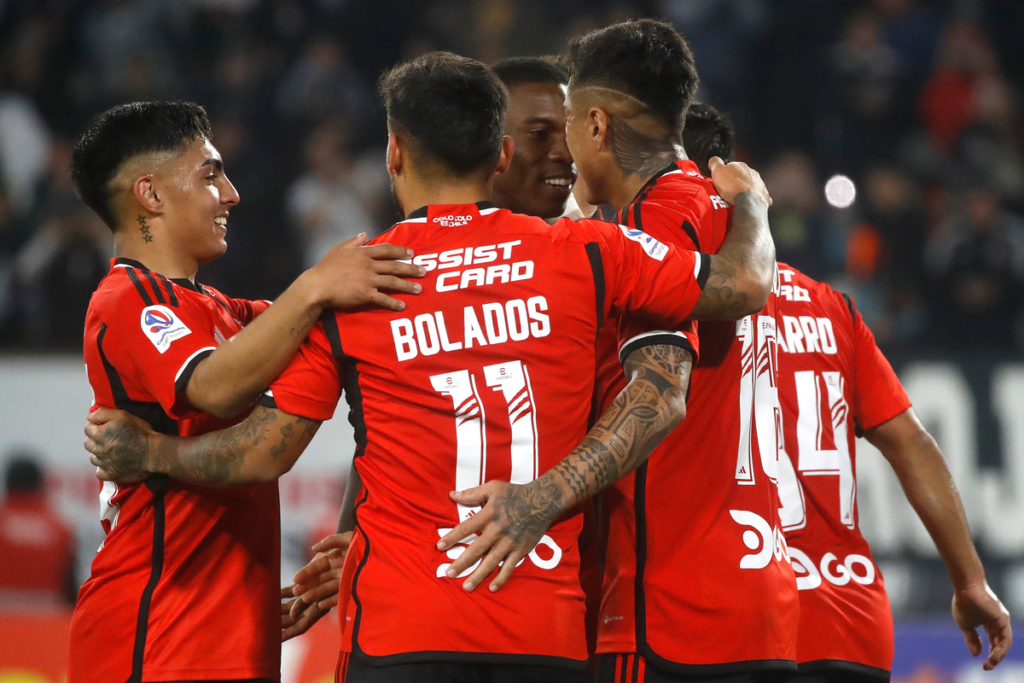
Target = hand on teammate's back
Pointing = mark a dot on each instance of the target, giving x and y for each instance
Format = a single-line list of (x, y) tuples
[(315, 591), (353, 275), (736, 177), (119, 444), (978, 606), (511, 523)]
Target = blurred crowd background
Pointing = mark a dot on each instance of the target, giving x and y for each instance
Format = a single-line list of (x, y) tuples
[(919, 102)]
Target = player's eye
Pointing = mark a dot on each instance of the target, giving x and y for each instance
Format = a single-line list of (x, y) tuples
[(540, 133)]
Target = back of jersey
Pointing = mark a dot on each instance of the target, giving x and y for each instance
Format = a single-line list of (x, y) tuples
[(832, 380), (709, 552), (487, 374)]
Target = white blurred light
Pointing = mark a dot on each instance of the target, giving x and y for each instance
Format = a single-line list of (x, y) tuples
[(840, 191)]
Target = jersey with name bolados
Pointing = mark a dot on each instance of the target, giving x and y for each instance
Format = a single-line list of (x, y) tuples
[(694, 541), (833, 380), (185, 584), (487, 374)]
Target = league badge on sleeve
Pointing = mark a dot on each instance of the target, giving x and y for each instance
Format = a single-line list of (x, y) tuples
[(652, 247), (162, 327)]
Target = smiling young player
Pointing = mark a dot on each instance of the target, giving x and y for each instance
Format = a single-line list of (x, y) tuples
[(184, 587), (538, 181)]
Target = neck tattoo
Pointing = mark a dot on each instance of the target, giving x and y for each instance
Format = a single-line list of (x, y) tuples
[(145, 229)]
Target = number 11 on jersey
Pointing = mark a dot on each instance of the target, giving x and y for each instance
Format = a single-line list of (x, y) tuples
[(512, 379)]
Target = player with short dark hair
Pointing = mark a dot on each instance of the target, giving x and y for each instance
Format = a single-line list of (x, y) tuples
[(708, 133), (835, 385), (462, 387), (422, 96), (663, 613), (184, 587), (540, 178)]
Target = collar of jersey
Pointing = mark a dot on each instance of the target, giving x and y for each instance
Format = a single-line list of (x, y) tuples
[(653, 180), (422, 211), (180, 281)]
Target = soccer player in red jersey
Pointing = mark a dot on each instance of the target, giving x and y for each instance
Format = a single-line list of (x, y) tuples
[(835, 384), (674, 592), (184, 587), (502, 291), (538, 181)]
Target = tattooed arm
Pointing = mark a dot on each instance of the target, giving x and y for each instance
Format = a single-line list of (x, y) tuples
[(515, 517), (260, 449), (742, 271)]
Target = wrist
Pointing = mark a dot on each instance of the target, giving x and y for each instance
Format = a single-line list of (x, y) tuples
[(308, 290), (564, 497), (154, 462)]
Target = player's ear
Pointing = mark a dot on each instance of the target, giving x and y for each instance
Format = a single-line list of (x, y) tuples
[(396, 154), (508, 148), (599, 127), (146, 194)]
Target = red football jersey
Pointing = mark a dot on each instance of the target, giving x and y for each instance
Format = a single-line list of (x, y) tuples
[(833, 380), (694, 540), (487, 374), (186, 584)]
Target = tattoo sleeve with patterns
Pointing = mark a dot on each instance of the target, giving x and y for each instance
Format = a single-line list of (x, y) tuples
[(639, 418), (245, 453), (741, 268)]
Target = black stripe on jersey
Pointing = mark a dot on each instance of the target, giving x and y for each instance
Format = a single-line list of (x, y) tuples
[(151, 412), (669, 338), (139, 286), (838, 667), (704, 271), (142, 623), (597, 268), (181, 402), (852, 307), (640, 606), (156, 288), (640, 529), (169, 288), (692, 232)]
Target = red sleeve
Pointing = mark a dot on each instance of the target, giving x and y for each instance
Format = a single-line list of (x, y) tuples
[(164, 343), (245, 310), (878, 394), (657, 282), (310, 386)]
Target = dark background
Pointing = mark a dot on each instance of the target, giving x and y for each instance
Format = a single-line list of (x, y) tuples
[(918, 102)]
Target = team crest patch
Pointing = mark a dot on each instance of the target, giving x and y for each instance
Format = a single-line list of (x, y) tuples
[(652, 247), (162, 327)]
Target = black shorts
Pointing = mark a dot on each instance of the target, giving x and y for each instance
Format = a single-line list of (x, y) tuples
[(632, 668), (351, 670)]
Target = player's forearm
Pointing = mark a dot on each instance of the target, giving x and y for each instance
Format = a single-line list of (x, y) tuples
[(347, 519), (640, 417), (260, 449), (234, 376), (741, 273), (929, 486)]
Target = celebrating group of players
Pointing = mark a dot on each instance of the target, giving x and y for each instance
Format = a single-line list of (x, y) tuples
[(532, 356)]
